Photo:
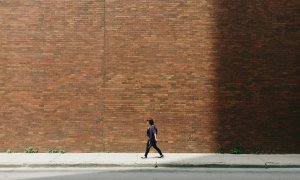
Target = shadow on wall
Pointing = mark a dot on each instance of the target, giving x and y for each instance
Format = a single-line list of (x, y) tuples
[(257, 45)]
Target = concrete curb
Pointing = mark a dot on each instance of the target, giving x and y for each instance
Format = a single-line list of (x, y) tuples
[(19, 160), (92, 165)]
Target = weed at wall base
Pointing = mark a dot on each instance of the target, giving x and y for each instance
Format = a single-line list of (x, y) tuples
[(30, 150)]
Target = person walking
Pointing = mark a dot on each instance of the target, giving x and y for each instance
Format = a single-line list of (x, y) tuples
[(152, 139)]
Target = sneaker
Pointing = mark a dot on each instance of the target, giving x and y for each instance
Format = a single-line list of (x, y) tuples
[(144, 157), (161, 156)]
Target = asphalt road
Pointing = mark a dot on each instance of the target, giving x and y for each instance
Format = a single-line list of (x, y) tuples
[(151, 173)]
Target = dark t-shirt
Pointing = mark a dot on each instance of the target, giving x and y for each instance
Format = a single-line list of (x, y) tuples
[(151, 131)]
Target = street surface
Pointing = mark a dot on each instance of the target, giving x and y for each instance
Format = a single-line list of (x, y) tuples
[(150, 173)]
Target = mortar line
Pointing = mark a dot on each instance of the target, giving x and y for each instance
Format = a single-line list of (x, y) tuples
[(103, 75)]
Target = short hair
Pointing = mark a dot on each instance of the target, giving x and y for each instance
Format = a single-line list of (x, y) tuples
[(150, 121)]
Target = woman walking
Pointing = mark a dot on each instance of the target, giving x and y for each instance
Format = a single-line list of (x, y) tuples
[(152, 139)]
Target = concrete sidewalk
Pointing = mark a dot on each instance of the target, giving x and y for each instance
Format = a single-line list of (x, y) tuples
[(134, 160)]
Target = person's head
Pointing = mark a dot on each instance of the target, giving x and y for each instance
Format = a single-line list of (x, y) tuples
[(150, 121)]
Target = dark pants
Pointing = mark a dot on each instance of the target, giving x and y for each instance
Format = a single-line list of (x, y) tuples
[(150, 144)]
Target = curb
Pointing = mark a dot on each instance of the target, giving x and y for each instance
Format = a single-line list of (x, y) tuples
[(92, 165)]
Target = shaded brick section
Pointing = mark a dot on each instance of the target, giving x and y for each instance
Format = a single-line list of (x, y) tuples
[(84, 75), (258, 74)]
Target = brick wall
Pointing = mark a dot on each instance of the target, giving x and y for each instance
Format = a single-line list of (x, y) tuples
[(84, 75), (51, 57)]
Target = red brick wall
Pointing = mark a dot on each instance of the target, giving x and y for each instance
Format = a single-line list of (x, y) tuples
[(50, 74), (84, 75)]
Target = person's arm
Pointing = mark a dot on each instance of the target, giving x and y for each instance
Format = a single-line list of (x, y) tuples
[(154, 132)]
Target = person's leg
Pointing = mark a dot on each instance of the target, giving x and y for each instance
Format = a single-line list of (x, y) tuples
[(157, 149), (148, 146)]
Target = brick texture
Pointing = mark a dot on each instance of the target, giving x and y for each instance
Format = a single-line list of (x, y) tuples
[(84, 75), (51, 57)]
